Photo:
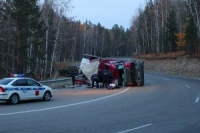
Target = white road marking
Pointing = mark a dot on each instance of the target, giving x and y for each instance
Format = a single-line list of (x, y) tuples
[(135, 128), (165, 78), (187, 86), (197, 100), (63, 106)]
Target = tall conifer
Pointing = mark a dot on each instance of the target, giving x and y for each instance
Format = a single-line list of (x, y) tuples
[(26, 14)]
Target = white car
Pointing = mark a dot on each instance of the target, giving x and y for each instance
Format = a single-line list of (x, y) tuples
[(15, 89)]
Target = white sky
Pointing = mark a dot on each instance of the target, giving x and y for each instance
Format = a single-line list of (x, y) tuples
[(106, 12)]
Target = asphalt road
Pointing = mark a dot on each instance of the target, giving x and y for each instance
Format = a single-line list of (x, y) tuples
[(163, 105)]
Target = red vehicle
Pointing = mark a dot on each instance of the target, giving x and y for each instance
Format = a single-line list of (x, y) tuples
[(127, 71)]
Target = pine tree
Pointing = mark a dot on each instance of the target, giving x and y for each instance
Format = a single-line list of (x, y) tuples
[(119, 40), (171, 28), (191, 36), (26, 14)]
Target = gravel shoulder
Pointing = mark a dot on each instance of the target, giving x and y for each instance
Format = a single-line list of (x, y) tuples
[(180, 66)]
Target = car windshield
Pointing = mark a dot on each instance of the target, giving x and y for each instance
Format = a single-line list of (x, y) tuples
[(5, 81)]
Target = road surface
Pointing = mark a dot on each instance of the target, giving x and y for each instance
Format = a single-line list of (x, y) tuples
[(164, 104)]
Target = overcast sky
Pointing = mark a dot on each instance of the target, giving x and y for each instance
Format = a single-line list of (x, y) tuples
[(106, 12)]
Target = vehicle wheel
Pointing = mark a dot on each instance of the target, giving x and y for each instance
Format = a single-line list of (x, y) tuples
[(47, 96), (14, 99)]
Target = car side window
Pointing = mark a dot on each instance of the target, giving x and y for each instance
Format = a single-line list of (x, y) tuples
[(20, 82), (5, 81), (32, 83)]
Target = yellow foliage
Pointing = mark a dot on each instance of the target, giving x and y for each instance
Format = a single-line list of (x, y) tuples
[(181, 39), (181, 43), (180, 36)]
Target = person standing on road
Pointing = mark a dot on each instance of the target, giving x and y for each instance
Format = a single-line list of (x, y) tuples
[(73, 74), (95, 78), (105, 77)]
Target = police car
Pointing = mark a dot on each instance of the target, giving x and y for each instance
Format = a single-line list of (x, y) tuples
[(18, 88)]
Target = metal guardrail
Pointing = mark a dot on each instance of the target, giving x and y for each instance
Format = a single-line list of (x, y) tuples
[(59, 83)]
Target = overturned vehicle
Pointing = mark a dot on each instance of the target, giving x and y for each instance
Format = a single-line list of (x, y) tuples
[(127, 71)]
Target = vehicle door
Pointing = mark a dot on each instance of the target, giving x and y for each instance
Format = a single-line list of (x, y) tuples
[(23, 89), (37, 90)]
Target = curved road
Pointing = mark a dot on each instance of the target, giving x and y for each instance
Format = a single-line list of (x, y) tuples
[(164, 104)]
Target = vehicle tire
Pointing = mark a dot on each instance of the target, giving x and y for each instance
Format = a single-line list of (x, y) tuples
[(141, 82), (14, 99), (47, 96)]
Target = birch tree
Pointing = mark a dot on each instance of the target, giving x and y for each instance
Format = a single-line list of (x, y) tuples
[(60, 10), (194, 9), (47, 16)]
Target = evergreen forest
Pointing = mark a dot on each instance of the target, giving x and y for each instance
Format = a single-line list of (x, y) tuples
[(34, 37)]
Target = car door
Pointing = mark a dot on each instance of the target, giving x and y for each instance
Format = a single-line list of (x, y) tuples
[(36, 89), (23, 89)]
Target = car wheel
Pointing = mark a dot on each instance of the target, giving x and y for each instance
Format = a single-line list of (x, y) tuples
[(14, 99), (47, 96)]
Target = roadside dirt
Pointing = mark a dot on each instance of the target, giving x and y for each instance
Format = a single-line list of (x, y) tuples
[(177, 64)]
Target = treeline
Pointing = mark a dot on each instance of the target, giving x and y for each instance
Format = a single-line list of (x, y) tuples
[(34, 37), (167, 26)]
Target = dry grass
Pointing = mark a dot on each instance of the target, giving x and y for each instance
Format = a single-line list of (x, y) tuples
[(174, 63), (170, 55)]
